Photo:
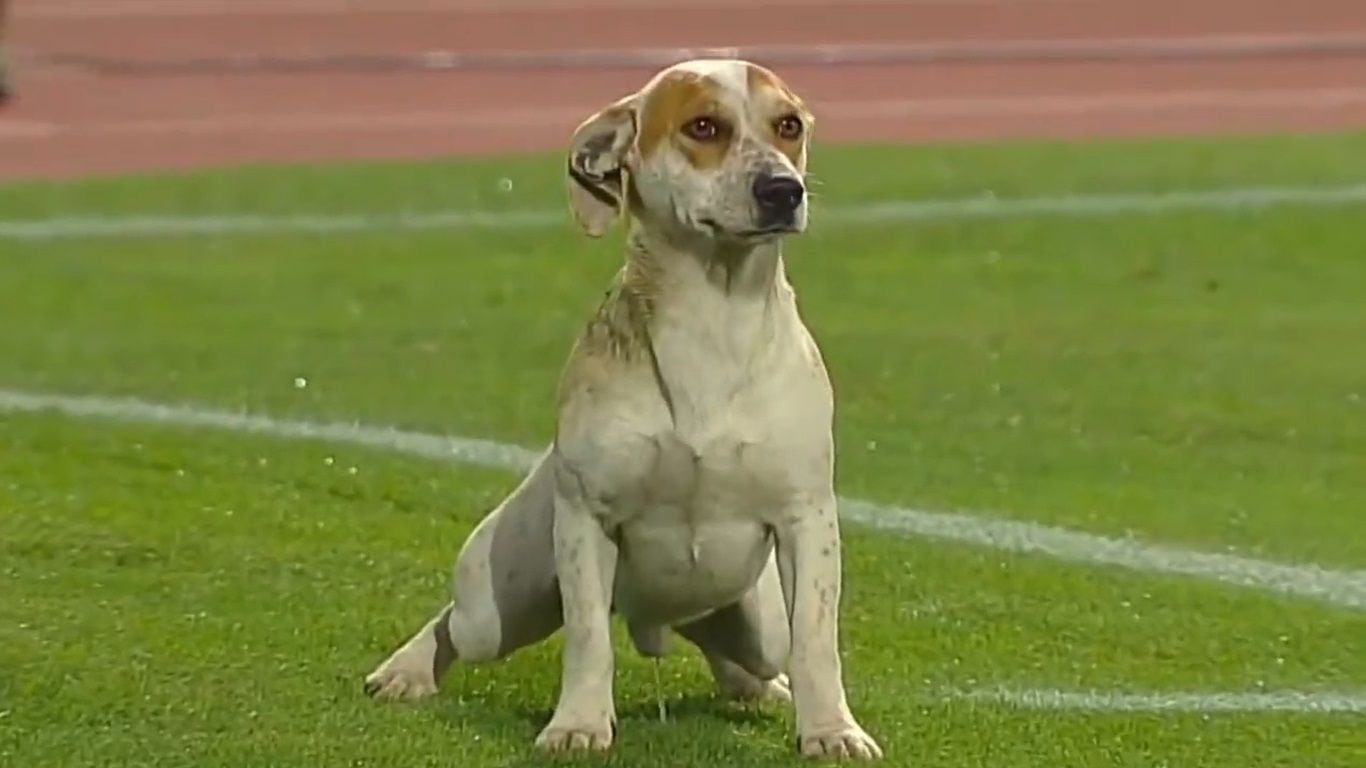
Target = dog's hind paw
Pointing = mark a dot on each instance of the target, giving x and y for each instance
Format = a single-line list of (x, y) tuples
[(747, 688), (394, 683)]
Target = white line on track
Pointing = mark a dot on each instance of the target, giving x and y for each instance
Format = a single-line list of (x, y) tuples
[(799, 54), (1042, 104), (1317, 702), (95, 9), (888, 211), (1346, 589), (1329, 97)]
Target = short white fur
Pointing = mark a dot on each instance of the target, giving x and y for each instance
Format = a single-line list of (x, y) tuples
[(690, 487)]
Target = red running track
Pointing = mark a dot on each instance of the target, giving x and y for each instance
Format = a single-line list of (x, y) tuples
[(126, 85)]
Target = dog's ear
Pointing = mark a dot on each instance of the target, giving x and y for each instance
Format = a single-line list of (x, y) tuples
[(597, 162)]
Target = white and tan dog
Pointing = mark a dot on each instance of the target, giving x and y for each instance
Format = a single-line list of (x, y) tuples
[(690, 484)]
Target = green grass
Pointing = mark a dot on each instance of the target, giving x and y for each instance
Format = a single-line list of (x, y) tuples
[(178, 597)]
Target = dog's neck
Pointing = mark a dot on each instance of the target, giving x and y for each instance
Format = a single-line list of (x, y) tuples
[(667, 264), (710, 315)]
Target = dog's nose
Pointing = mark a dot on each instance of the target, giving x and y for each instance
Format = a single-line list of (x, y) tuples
[(778, 195)]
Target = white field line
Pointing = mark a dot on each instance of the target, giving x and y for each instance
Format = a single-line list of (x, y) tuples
[(985, 207), (1345, 589), (1038, 105), (1329, 97), (1325, 702)]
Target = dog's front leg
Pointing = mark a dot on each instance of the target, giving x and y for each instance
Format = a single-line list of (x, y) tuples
[(809, 565), (586, 561)]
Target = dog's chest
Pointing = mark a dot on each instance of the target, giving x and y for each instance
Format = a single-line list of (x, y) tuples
[(695, 533), (693, 463), (726, 475), (747, 420), (695, 537)]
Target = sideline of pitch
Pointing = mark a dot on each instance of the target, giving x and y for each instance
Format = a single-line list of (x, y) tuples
[(1341, 588), (1295, 702), (872, 212)]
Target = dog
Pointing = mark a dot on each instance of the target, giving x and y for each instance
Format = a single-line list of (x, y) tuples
[(689, 487)]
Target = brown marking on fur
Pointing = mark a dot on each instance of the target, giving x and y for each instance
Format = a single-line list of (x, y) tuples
[(445, 647), (779, 101), (619, 327), (634, 202), (672, 103), (642, 277), (618, 331), (595, 163), (761, 78)]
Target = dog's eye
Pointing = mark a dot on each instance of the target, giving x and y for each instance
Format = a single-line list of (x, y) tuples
[(789, 127), (702, 129)]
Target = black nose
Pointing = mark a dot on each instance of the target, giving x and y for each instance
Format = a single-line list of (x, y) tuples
[(778, 196)]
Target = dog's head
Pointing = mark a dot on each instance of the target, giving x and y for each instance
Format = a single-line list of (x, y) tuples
[(712, 148)]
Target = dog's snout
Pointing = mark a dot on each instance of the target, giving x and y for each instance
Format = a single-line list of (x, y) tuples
[(778, 195)]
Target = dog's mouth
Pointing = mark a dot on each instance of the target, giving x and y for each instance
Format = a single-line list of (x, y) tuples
[(755, 233)]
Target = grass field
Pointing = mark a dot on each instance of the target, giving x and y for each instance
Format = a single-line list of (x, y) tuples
[(1191, 378)]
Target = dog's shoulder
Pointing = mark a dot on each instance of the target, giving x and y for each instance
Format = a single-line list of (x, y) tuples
[(614, 341), (619, 328), (607, 390)]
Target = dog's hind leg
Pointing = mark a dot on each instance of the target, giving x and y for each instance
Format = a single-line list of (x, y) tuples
[(415, 670), (746, 644), (505, 595)]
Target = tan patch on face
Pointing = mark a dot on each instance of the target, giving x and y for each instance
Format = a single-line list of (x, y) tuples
[(671, 105), (776, 101)]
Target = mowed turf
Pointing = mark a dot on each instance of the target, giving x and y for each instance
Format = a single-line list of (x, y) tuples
[(183, 597)]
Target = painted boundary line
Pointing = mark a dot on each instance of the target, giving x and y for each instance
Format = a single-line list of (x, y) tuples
[(824, 55), (1114, 701), (986, 207), (562, 117), (98, 9), (1351, 592), (1346, 589)]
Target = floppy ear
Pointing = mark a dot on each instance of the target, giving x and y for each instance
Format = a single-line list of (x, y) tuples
[(597, 157)]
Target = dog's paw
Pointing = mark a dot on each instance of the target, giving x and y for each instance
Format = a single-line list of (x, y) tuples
[(842, 742), (575, 737), (393, 682), (777, 689), (752, 689)]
